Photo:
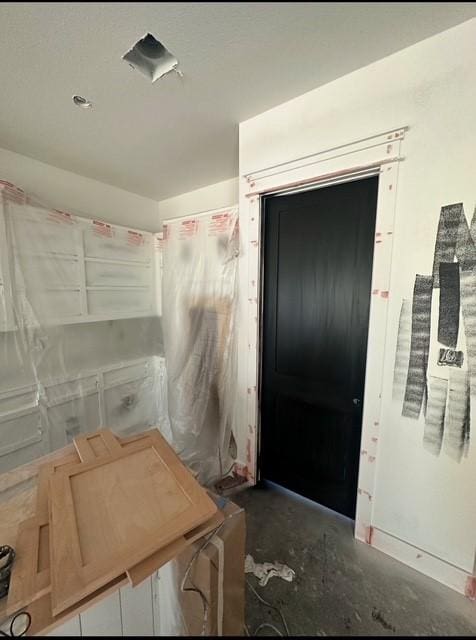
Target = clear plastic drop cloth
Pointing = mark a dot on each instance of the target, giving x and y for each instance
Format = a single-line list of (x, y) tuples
[(80, 339), (199, 295)]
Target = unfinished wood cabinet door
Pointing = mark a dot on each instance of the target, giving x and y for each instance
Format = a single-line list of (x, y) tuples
[(110, 514), (153, 563), (31, 577), (97, 444), (44, 474)]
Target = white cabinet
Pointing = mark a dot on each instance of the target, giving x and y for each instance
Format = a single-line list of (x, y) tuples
[(22, 435), (128, 612), (62, 269), (36, 419), (6, 307)]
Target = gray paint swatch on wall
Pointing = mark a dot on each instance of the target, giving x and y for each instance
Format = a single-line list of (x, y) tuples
[(445, 401), (402, 354), (435, 414), (456, 437), (415, 391), (446, 237), (468, 306), (448, 319), (465, 248)]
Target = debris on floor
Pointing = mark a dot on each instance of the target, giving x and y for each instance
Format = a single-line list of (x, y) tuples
[(266, 570), (230, 484)]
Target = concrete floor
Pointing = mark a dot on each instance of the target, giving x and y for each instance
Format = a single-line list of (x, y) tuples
[(342, 587)]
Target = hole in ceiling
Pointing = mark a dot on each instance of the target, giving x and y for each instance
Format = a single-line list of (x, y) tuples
[(79, 101), (151, 58)]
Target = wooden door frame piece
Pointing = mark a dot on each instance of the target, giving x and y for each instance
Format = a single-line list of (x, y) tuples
[(72, 580)]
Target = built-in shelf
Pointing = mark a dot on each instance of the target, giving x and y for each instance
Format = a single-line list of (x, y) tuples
[(58, 268)]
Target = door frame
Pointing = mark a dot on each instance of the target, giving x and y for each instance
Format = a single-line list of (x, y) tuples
[(375, 155)]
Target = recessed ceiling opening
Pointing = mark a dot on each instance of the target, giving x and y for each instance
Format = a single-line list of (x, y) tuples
[(151, 58), (84, 103)]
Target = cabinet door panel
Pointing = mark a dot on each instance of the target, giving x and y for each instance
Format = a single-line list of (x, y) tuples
[(107, 302), (115, 246), (106, 273)]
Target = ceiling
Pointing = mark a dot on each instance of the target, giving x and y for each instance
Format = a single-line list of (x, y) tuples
[(180, 133)]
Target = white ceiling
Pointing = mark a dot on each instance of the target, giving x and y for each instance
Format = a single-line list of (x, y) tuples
[(238, 59)]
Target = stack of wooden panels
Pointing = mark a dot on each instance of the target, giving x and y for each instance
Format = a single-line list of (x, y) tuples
[(110, 512)]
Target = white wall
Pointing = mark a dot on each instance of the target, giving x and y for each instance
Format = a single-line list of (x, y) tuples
[(426, 501), (83, 196), (213, 196)]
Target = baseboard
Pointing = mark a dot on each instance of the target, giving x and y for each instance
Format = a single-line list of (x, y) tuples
[(422, 561)]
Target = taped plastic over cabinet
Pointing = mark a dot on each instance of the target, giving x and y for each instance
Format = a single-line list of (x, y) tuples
[(199, 293), (80, 339)]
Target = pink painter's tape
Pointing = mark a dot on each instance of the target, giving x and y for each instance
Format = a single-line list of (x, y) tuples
[(241, 470), (103, 228), (470, 588), (56, 215), (366, 493), (384, 294), (369, 532)]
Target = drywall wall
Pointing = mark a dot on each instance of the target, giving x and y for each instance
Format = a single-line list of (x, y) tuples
[(83, 196), (425, 500), (213, 196)]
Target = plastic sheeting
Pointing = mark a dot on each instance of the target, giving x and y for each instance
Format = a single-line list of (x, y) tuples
[(199, 288), (79, 332)]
